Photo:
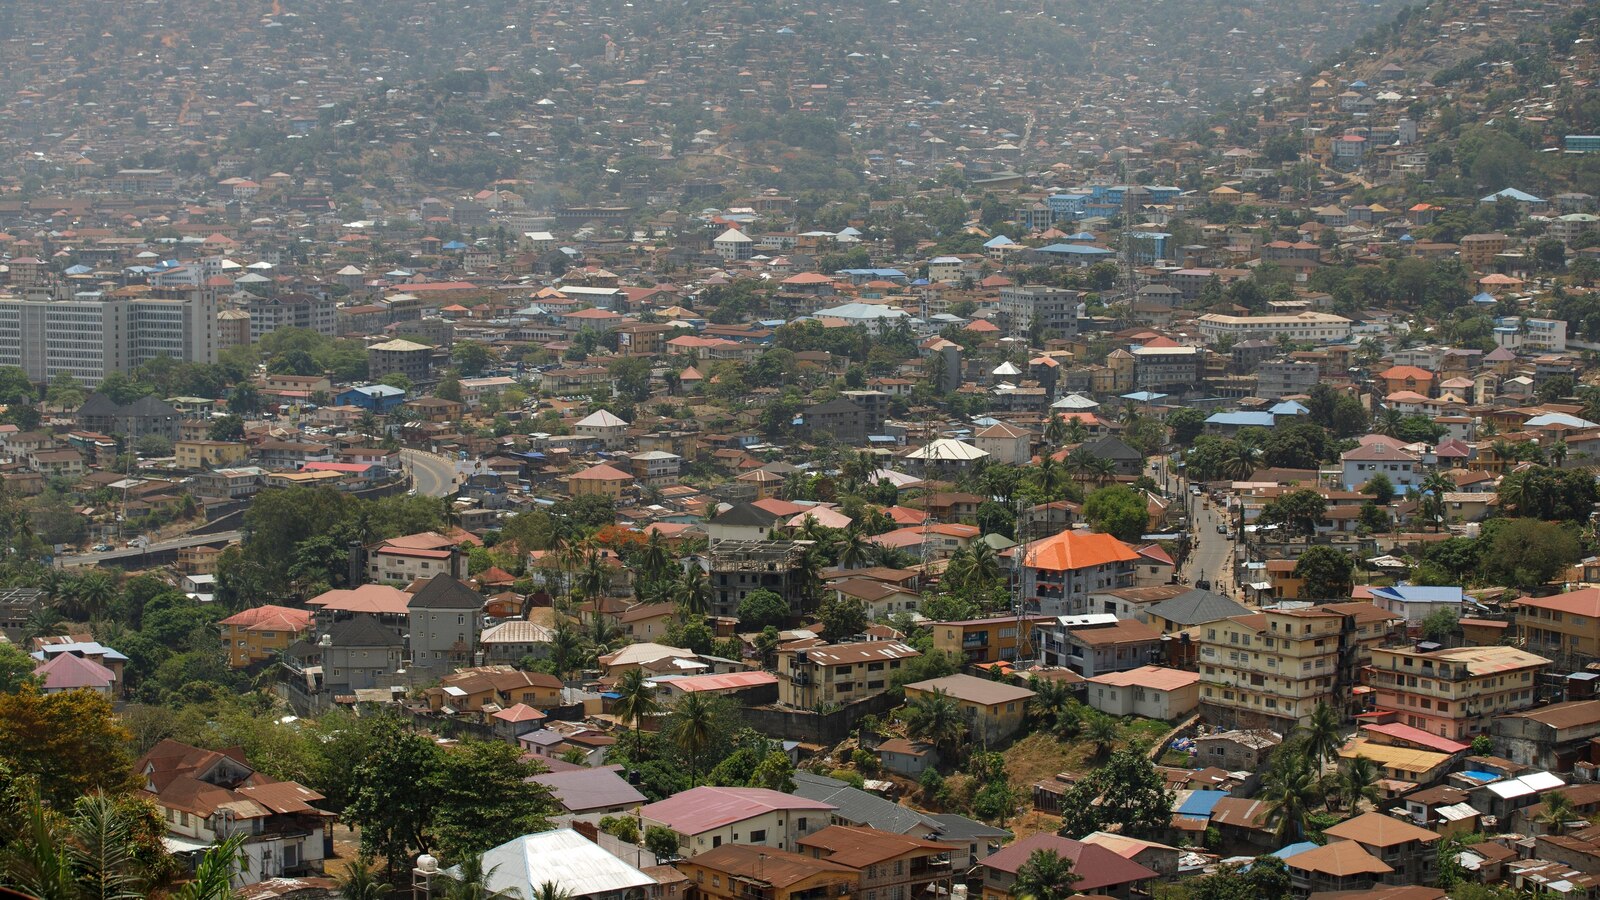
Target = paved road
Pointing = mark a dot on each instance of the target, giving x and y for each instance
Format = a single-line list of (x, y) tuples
[(1212, 556), (432, 476), (95, 559)]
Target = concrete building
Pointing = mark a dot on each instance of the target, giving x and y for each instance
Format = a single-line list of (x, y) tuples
[(1453, 693), (1050, 309), (1153, 692), (445, 619), (403, 357), (707, 818), (812, 677), (994, 710), (1322, 328), (1059, 573), (92, 335)]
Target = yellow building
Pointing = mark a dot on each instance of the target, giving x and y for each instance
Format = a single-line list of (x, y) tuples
[(820, 676), (985, 641), (1271, 669), (599, 481), (259, 634), (1400, 763), (208, 454), (1562, 625), (993, 709), (1453, 693), (744, 872)]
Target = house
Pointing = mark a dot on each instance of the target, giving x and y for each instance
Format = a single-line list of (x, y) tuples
[(599, 481), (1005, 443), (1416, 602), (1336, 866), (881, 600), (906, 757), (812, 677), (1406, 849), (1236, 751), (575, 865), (706, 818), (994, 710), (206, 795), (742, 872), (743, 522), (378, 399), (66, 672), (103, 657), (1152, 692), (853, 806), (1550, 737), (1159, 858), (1090, 646), (1102, 872), (446, 617), (887, 864), (604, 428), (1561, 624), (259, 634), (1453, 693), (414, 557), (591, 791), (144, 416), (985, 641), (198, 455), (1058, 573), (1362, 464)]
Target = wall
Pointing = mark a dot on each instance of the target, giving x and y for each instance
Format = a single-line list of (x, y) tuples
[(813, 728)]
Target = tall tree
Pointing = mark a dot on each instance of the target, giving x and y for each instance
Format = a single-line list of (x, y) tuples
[(1045, 875), (692, 728), (636, 700)]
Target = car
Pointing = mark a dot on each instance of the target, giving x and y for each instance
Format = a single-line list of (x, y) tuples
[(103, 548), (1222, 529), (1203, 585)]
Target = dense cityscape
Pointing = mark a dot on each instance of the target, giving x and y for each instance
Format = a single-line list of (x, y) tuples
[(800, 450)]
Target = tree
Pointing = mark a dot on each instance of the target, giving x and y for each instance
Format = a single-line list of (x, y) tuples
[(775, 772), (1186, 425), (471, 358), (935, 717), (631, 374), (762, 608), (101, 847), (360, 882), (1102, 733), (65, 392), (226, 428), (636, 700), (1301, 445), (391, 812), (16, 667), (470, 881), (692, 727), (1291, 790), (1117, 510), (1380, 489), (481, 793), (214, 874), (661, 841), (842, 617), (71, 743), (1045, 875), (1324, 573), (1526, 553), (1126, 794), (1550, 494), (1322, 735), (1358, 781), (1439, 625), (1299, 512), (1556, 812)]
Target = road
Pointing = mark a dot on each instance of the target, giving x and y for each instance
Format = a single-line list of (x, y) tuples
[(1210, 554), (183, 543), (431, 475)]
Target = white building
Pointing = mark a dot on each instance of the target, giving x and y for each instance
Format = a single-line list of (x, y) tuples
[(1154, 692), (1363, 463), (734, 244), (1306, 326), (93, 335), (579, 867)]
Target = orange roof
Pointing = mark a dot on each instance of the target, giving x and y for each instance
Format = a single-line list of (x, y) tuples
[(1578, 603), (602, 472), (271, 618), (1076, 550), (1407, 372), (1380, 830), (1339, 859)]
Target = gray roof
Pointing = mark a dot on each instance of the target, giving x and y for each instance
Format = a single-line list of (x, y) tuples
[(586, 789), (954, 827), (444, 592), (363, 631), (745, 515), (859, 807), (1197, 607), (1112, 448)]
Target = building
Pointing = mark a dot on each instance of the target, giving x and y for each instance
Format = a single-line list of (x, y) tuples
[(144, 416), (1362, 464), (1059, 573), (742, 872), (1563, 627), (1024, 308), (599, 481), (205, 796), (1167, 368), (1271, 669), (890, 866), (1406, 849), (813, 677), (604, 428), (994, 710), (1096, 644), (1453, 693), (445, 619), (1152, 692), (1550, 737), (1102, 872), (268, 314), (412, 557), (736, 569), (1316, 327), (92, 335), (400, 357), (198, 455), (987, 641), (577, 866), (262, 633), (707, 818)]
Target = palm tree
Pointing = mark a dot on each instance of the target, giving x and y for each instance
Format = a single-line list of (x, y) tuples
[(360, 882), (1557, 812), (692, 729), (1069, 721), (654, 559), (566, 647), (549, 890), (1389, 421), (694, 592), (1080, 463), (852, 547), (1101, 470), (1050, 697), (1046, 875), (935, 717), (1558, 453), (1049, 475), (1102, 732), (1291, 790), (1238, 463), (636, 699), (594, 579), (471, 882), (89, 855), (1358, 781), (1323, 739), (213, 876)]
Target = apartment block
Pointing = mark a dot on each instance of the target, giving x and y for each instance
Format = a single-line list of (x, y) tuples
[(1453, 693)]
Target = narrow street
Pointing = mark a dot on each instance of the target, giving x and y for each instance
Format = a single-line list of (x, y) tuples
[(1210, 552)]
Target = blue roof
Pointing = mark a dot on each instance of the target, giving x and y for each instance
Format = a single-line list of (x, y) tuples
[(1485, 298), (1241, 419), (998, 240), (1511, 194), (1294, 849), (1143, 396), (455, 245), (1288, 408), (1081, 236), (1484, 777), (378, 390), (1200, 803), (1557, 419), (876, 273), (1417, 593)]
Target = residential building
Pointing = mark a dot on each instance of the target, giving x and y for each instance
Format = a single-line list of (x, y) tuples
[(1271, 669), (1415, 603), (69, 672), (142, 417), (1551, 737), (446, 617), (412, 557), (262, 633), (1236, 751), (813, 677), (1453, 693), (738, 568), (1058, 573), (1102, 872), (1166, 368), (401, 357), (1096, 644), (890, 866), (742, 872), (268, 314), (1406, 849), (591, 791), (1324, 328), (1362, 464), (604, 428), (198, 455), (994, 710), (987, 641), (707, 818), (205, 796), (853, 806), (1152, 692), (1564, 627), (1050, 309), (599, 481)]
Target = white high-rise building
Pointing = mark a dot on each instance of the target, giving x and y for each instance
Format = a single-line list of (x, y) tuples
[(92, 334)]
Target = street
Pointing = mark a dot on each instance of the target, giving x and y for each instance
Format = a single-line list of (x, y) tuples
[(432, 475), (1210, 554), (112, 556)]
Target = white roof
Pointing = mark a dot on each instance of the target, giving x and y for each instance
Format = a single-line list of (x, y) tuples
[(1535, 783), (1455, 812), (733, 235), (1006, 368), (948, 450), (1074, 401), (579, 866), (601, 418)]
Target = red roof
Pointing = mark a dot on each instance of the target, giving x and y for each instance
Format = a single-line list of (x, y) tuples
[(271, 618), (1076, 550), (1408, 735), (1100, 868), (1578, 603), (704, 808)]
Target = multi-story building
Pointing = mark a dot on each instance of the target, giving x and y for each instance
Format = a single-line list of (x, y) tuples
[(1453, 693), (1051, 309), (891, 866), (1059, 573), (737, 569), (445, 618), (400, 356), (1478, 251), (1271, 669), (1166, 368), (739, 872), (197, 455), (92, 334), (708, 818), (986, 641), (1285, 377), (259, 634), (1103, 872), (268, 314), (994, 710), (836, 674), (1563, 627), (1322, 328)]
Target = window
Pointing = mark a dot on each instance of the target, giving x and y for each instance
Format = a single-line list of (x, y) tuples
[(800, 823), (758, 836), (716, 842)]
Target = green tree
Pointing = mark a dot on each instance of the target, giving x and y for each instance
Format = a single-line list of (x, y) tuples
[(16, 667), (1126, 794), (471, 358), (1379, 488), (1117, 510), (1526, 553), (481, 793), (1186, 425), (692, 727), (1357, 781), (1557, 812), (1324, 573), (842, 617), (661, 841), (1045, 875), (631, 374), (762, 608), (1439, 625), (1299, 512), (69, 743), (360, 882), (934, 716), (636, 700), (391, 812), (1291, 789)]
